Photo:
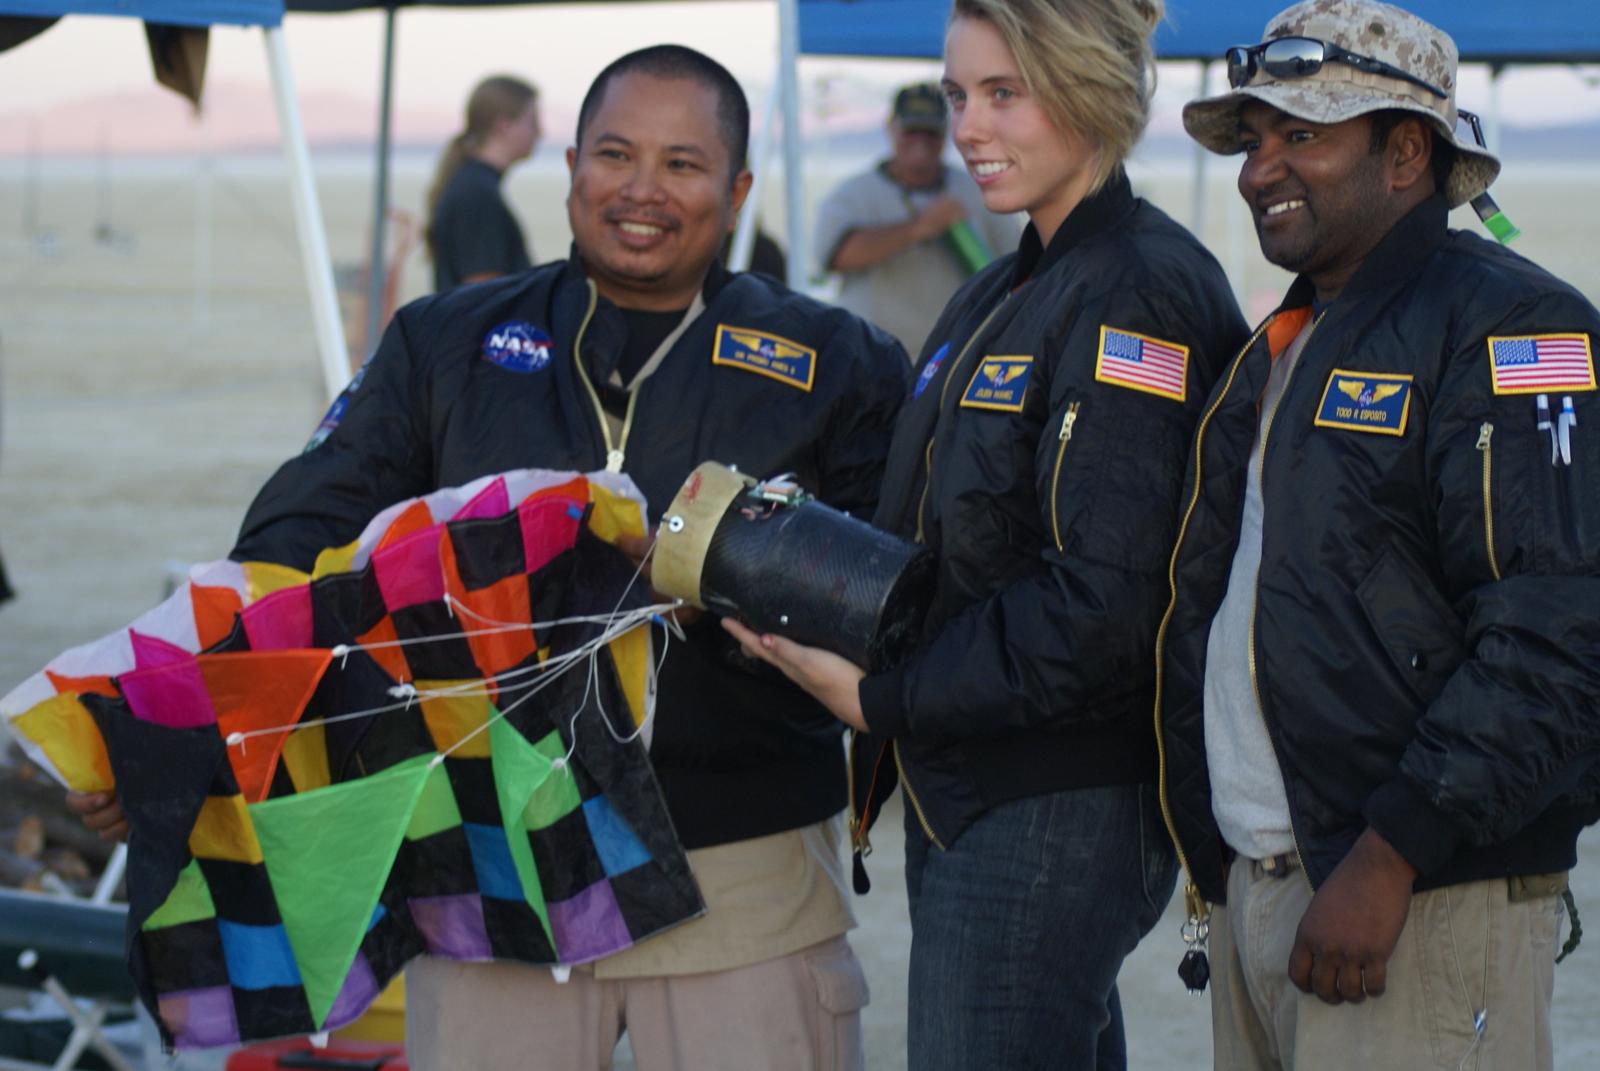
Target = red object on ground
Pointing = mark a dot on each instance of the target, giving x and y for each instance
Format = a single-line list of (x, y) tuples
[(297, 1054)]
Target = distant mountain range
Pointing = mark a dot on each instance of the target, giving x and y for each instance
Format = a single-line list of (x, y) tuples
[(240, 117)]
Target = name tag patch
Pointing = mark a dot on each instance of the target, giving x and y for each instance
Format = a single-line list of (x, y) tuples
[(1535, 364), (998, 383), (518, 346), (1377, 402), (765, 354)]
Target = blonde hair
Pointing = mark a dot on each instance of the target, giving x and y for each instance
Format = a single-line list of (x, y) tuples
[(1089, 63), (497, 97)]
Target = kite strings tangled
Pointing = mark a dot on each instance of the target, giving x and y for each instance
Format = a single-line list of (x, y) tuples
[(616, 624)]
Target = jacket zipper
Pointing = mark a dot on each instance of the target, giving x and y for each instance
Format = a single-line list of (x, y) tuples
[(1485, 433), (922, 504), (911, 794), (950, 377), (1255, 600), (615, 453), (1191, 893), (1064, 437)]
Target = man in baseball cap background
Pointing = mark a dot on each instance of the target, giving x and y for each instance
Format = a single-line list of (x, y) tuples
[(1378, 709), (888, 231)]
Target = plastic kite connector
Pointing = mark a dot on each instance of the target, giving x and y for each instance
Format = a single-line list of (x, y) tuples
[(235, 739), (562, 973)]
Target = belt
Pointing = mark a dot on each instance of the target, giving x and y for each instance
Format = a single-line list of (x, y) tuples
[(1274, 866)]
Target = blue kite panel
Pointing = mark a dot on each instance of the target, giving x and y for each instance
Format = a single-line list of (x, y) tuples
[(171, 12), (1564, 31)]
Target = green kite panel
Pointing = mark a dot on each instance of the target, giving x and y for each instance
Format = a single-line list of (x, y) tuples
[(328, 854)]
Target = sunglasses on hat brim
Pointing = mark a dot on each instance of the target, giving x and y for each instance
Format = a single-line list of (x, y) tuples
[(1288, 58)]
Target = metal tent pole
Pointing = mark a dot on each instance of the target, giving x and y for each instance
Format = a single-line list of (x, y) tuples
[(744, 235), (380, 194), (308, 218), (794, 189)]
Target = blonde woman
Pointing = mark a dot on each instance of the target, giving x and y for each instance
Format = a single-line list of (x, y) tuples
[(1041, 456), (472, 234)]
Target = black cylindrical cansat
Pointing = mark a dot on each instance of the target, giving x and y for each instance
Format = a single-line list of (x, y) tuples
[(767, 553)]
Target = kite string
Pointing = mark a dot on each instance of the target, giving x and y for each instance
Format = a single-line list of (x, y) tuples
[(475, 688), (453, 604), (593, 681), (343, 650), (654, 610), (617, 624), (589, 650)]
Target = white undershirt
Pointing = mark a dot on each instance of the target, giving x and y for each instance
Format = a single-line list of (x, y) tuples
[(1247, 795)]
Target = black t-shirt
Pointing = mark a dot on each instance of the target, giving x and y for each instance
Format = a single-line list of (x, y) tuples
[(646, 331), (473, 231)]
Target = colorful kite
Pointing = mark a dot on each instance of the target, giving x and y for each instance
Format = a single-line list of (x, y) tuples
[(434, 743)]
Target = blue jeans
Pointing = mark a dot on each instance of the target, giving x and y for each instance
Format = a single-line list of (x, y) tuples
[(1019, 928)]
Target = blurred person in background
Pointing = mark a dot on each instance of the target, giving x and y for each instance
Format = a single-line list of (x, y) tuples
[(1040, 457), (907, 233), (472, 234)]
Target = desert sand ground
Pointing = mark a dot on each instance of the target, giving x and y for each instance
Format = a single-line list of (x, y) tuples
[(143, 402)]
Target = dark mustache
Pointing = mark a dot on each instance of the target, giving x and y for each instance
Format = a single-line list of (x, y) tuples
[(638, 215)]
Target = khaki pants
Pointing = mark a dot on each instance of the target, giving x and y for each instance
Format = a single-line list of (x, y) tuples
[(1465, 950), (800, 1012)]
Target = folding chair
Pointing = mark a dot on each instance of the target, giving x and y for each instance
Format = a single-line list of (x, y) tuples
[(70, 949)]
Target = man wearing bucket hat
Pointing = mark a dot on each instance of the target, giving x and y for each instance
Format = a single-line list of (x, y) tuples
[(1380, 664)]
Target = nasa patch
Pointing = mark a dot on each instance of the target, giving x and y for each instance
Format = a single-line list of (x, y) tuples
[(930, 368), (518, 346), (331, 419), (998, 383)]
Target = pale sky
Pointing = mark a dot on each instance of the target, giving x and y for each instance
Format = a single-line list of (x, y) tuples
[(441, 53)]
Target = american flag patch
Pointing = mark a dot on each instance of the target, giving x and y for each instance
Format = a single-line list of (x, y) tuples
[(1152, 365), (1531, 364)]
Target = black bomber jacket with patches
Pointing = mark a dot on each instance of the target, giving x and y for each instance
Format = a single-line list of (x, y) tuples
[(1427, 620), (499, 376), (1041, 457)]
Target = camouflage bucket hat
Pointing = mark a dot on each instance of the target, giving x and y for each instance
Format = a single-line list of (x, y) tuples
[(1344, 90)]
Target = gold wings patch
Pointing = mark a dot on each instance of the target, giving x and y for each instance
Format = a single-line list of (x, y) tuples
[(1353, 389)]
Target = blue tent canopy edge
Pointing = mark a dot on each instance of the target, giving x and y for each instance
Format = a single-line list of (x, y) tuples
[(166, 12), (1485, 31)]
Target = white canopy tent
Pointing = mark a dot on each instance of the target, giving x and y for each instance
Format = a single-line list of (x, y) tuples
[(20, 19)]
